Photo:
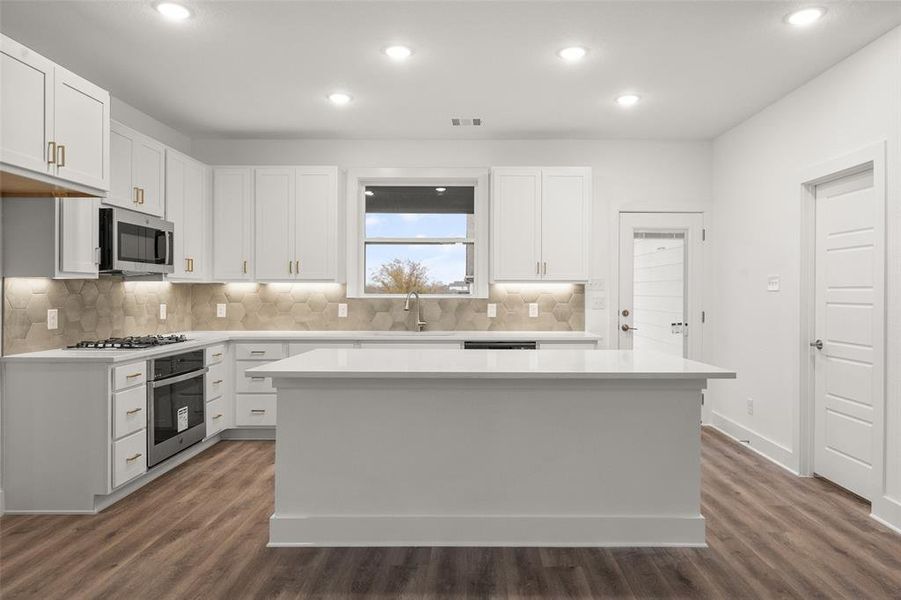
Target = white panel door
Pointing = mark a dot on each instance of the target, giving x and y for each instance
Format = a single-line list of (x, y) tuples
[(149, 175), (79, 247), (122, 190), (26, 107), (515, 224), (175, 208), (565, 223), (274, 223), (660, 283), (194, 218), (315, 223), (232, 223), (81, 130), (850, 327)]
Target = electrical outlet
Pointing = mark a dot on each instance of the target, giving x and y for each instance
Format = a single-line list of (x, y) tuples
[(750, 406), (52, 318), (220, 311), (342, 311), (533, 309), (162, 311), (772, 284), (492, 311)]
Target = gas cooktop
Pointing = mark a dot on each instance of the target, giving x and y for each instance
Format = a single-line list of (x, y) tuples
[(130, 343)]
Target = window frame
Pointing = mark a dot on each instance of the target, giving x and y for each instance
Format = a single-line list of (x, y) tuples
[(359, 179)]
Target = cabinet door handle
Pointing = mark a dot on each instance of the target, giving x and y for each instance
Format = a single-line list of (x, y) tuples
[(133, 458), (290, 267), (217, 355), (187, 265), (135, 200), (219, 416), (545, 269), (142, 195), (538, 268), (51, 153), (133, 375), (297, 267), (217, 382), (258, 411), (60, 155), (133, 411), (245, 267)]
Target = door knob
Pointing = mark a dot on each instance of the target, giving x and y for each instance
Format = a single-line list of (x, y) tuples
[(626, 327), (818, 344)]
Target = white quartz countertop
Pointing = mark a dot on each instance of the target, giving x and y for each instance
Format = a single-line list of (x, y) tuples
[(201, 339), (487, 364)]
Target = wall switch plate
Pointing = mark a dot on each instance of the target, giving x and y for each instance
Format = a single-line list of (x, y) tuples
[(162, 311), (52, 318), (342, 311), (750, 406), (492, 311), (772, 284), (220, 311), (533, 309)]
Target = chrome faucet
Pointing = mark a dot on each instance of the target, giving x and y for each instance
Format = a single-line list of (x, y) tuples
[(419, 322)]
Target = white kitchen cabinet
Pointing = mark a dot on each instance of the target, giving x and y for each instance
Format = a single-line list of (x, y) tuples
[(232, 223), (55, 124), (51, 237), (296, 223), (137, 165), (541, 220), (188, 207)]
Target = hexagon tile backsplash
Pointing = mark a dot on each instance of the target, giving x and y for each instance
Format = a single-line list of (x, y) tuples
[(108, 307)]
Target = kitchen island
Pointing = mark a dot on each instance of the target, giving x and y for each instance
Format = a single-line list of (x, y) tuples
[(399, 447)]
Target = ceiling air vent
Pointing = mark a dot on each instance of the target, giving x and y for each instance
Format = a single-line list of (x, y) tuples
[(459, 122)]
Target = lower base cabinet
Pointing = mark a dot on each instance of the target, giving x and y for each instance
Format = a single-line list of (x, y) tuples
[(215, 416), (255, 410), (129, 457)]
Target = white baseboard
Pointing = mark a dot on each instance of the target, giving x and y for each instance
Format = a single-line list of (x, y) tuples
[(765, 447), (888, 512), (428, 530), (249, 433)]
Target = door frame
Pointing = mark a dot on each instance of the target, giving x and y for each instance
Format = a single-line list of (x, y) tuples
[(694, 280), (872, 156)]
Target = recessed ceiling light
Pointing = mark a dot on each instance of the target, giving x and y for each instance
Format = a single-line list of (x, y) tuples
[(339, 98), (805, 16), (398, 52), (173, 10), (573, 53), (440, 189), (627, 100)]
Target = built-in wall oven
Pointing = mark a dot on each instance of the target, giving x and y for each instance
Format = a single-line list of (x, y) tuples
[(176, 402), (135, 243)]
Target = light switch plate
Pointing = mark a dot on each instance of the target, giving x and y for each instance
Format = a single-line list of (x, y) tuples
[(492, 310), (772, 284), (220, 311), (52, 318), (533, 309), (342, 311), (162, 311)]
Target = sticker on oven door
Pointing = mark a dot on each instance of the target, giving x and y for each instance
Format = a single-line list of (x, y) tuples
[(182, 418)]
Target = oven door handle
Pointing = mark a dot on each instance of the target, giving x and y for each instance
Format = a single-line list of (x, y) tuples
[(179, 378)]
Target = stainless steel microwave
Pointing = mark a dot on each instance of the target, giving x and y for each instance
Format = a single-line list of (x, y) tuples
[(132, 243)]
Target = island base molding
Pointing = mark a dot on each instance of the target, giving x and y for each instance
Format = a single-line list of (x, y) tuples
[(484, 531)]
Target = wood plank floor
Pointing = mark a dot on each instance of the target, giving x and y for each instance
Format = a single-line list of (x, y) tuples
[(200, 532)]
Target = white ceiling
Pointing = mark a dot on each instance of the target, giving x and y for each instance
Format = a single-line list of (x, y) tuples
[(263, 69)]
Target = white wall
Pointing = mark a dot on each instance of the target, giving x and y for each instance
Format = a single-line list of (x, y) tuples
[(757, 172), (633, 175), (139, 121)]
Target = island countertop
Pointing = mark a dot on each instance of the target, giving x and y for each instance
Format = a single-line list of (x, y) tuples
[(488, 364)]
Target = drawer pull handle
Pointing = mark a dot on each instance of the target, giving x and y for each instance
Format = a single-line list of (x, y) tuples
[(257, 378), (219, 416), (217, 382), (258, 352), (133, 458), (133, 375), (51, 153), (257, 411), (60, 155), (133, 411), (217, 355)]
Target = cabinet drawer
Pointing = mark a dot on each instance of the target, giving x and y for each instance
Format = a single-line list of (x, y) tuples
[(215, 381), (255, 409), (214, 355), (296, 348), (252, 385), (586, 345), (264, 351), (129, 457), (215, 417), (129, 411), (430, 345), (129, 375)]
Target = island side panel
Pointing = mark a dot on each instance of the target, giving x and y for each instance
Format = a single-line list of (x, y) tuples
[(487, 462)]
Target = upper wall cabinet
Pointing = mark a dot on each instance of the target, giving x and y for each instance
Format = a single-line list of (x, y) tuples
[(188, 199), (295, 216), (55, 127), (138, 171), (232, 223), (540, 220)]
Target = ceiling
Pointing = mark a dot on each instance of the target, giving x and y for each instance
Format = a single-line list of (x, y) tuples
[(263, 69)]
